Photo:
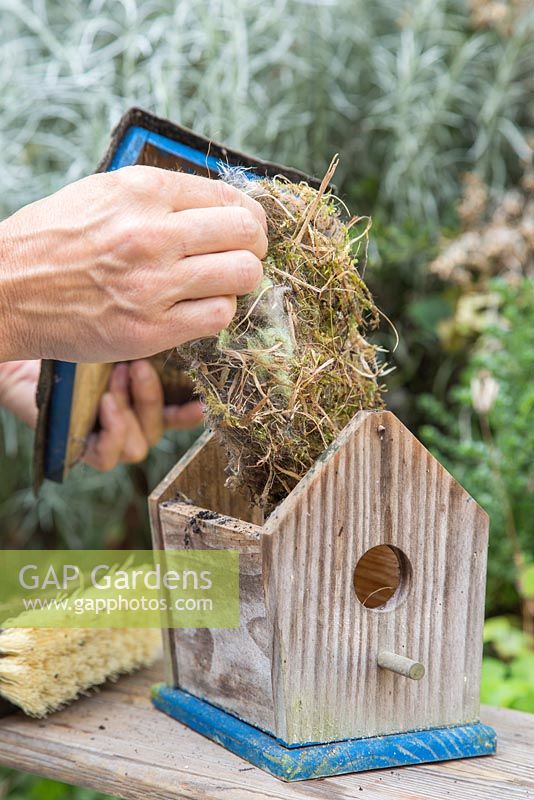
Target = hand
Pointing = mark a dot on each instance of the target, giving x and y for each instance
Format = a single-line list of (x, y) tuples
[(126, 264), (132, 415), (133, 418)]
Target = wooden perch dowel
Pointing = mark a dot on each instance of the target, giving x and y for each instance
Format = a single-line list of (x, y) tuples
[(401, 665)]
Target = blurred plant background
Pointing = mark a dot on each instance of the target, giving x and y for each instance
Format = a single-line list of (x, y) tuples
[(427, 103)]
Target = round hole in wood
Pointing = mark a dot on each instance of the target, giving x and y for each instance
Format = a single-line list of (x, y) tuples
[(381, 577)]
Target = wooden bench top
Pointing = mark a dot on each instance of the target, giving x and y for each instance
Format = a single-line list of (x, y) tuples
[(115, 742)]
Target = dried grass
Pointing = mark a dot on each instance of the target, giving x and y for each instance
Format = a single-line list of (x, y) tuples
[(294, 365)]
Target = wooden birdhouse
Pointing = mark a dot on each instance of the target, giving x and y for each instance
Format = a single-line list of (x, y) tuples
[(362, 605), (361, 595)]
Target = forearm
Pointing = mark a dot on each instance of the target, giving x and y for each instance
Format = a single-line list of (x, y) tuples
[(14, 343)]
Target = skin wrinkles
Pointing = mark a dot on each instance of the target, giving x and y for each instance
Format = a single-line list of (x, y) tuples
[(116, 267), (100, 271)]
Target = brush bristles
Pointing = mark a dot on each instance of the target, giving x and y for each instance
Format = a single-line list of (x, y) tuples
[(43, 669)]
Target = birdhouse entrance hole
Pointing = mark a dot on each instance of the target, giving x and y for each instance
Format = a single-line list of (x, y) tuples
[(381, 577)]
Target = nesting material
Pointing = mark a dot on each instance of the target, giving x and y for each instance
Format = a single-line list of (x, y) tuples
[(294, 365), (43, 669)]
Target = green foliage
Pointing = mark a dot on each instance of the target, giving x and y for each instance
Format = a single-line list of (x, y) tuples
[(17, 786), (493, 459), (508, 679), (527, 582), (410, 94), (414, 301), (90, 510)]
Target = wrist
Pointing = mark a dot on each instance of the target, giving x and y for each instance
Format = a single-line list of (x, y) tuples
[(13, 342)]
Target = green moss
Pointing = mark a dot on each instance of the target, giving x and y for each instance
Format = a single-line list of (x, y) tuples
[(294, 365)]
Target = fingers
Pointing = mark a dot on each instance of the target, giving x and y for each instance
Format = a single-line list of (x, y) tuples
[(18, 386), (194, 319), (180, 191), (183, 417), (105, 447), (135, 445), (236, 272), (183, 191), (121, 438), (191, 191), (132, 417), (208, 230), (147, 398), (178, 323), (119, 385)]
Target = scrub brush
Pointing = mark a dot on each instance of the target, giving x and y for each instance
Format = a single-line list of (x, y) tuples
[(43, 669)]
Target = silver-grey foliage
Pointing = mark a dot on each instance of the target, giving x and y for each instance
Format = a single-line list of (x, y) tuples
[(408, 92)]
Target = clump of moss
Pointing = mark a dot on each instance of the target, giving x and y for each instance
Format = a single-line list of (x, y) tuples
[(294, 365)]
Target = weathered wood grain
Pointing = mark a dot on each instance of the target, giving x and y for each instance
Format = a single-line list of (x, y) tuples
[(165, 491), (89, 385), (377, 485), (117, 743), (230, 667), (198, 477), (377, 576)]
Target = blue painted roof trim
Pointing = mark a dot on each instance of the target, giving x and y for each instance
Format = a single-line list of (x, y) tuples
[(129, 148), (135, 139), (59, 419), (321, 760)]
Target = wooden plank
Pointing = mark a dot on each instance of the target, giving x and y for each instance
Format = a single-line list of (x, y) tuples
[(90, 383), (377, 486), (117, 743), (198, 477), (164, 491), (230, 667)]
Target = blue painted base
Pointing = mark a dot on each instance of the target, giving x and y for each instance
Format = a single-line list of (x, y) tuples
[(320, 760)]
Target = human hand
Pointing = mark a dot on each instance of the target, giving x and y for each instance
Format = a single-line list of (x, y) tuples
[(126, 264), (132, 415)]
